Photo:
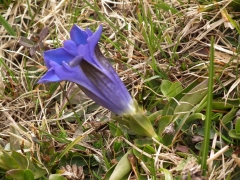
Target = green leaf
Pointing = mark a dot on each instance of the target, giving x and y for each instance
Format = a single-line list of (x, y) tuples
[(142, 142), (117, 145), (170, 107), (165, 86), (21, 160), (175, 89), (14, 142), (154, 116), (69, 146), (56, 177), (37, 171), (167, 139), (200, 131), (195, 116), (28, 175), (9, 161), (229, 116), (147, 160), (123, 168), (140, 124), (236, 25), (166, 7), (221, 105), (167, 174), (192, 98), (3, 165), (232, 133), (163, 123), (237, 127), (170, 89), (109, 173), (16, 174), (7, 26)]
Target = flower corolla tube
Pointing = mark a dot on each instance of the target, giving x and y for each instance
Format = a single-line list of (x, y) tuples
[(81, 61)]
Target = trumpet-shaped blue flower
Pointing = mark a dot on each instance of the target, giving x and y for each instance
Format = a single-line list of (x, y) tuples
[(81, 61)]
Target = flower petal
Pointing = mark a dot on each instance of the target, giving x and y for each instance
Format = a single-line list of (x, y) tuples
[(87, 50), (78, 35), (57, 55), (89, 32), (73, 74), (71, 47), (93, 40), (84, 51), (102, 101), (76, 61), (50, 76), (112, 91), (110, 72)]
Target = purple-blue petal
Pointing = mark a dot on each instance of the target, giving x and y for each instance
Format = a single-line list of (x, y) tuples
[(89, 32), (113, 91), (93, 40), (57, 55), (78, 35), (110, 72), (103, 101), (50, 76), (71, 47), (84, 51), (76, 61), (73, 74), (76, 75)]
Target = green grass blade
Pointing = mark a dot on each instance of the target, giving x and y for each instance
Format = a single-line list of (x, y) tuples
[(207, 124), (74, 142), (7, 26)]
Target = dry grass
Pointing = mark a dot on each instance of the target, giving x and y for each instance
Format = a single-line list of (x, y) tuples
[(26, 108)]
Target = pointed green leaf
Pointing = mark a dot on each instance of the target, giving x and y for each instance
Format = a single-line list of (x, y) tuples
[(232, 133), (167, 174), (21, 160), (165, 86), (175, 89), (163, 123), (16, 174), (237, 127), (166, 7), (195, 116), (56, 177), (9, 161), (192, 98), (221, 105), (170, 107), (154, 116), (28, 175), (7, 26), (167, 139), (229, 116), (37, 171), (3, 165), (140, 124), (14, 141), (123, 168)]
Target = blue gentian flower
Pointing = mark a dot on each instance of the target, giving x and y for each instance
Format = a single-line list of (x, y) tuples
[(81, 61)]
